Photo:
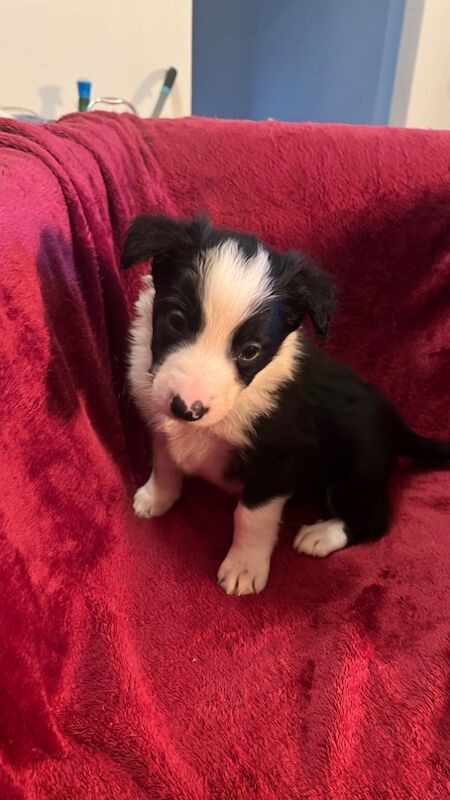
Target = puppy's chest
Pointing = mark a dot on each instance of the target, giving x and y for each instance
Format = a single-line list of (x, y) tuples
[(200, 453)]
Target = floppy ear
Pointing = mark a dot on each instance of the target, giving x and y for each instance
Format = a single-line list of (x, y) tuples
[(308, 291), (160, 237)]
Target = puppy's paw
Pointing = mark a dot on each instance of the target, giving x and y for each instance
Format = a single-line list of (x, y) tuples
[(150, 501), (243, 573), (321, 539)]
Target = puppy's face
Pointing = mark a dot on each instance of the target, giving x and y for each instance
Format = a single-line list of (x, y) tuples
[(224, 305)]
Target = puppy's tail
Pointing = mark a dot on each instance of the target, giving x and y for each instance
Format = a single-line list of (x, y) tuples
[(422, 448)]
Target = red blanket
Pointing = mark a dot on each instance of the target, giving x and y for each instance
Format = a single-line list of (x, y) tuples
[(125, 672)]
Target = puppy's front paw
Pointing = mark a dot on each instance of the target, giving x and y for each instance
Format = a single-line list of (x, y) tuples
[(151, 501), (243, 573)]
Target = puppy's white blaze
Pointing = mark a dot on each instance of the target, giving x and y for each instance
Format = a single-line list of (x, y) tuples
[(233, 288), (141, 349)]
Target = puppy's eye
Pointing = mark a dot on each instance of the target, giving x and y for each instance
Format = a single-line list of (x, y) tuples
[(176, 321), (249, 352)]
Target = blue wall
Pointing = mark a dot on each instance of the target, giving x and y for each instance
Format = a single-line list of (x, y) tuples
[(320, 60)]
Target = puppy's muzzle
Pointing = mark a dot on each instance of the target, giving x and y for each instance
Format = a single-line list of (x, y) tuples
[(180, 410)]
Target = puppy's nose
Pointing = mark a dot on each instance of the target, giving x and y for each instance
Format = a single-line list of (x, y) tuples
[(179, 409)]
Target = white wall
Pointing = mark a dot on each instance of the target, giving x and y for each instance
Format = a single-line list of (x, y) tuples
[(421, 97), (123, 46)]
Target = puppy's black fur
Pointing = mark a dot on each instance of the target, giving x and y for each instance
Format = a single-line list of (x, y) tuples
[(332, 438)]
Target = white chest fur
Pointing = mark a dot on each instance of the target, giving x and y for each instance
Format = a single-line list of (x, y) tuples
[(199, 452)]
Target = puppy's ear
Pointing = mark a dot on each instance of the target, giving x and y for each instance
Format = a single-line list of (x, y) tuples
[(308, 291), (161, 237)]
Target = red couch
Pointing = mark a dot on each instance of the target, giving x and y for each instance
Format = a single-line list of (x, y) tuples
[(124, 671)]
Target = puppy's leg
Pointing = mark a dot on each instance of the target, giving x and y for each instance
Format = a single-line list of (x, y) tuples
[(163, 488), (246, 568), (362, 514)]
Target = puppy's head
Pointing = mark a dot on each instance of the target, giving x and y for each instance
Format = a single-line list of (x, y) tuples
[(224, 308)]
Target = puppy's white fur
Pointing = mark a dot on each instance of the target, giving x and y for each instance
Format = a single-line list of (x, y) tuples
[(321, 539), (164, 485), (139, 377), (246, 568), (234, 287)]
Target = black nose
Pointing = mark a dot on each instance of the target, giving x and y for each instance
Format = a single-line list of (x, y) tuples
[(179, 409)]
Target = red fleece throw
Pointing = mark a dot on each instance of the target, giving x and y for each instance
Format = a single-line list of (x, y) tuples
[(124, 670)]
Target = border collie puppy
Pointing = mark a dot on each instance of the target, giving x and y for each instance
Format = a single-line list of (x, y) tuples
[(234, 393)]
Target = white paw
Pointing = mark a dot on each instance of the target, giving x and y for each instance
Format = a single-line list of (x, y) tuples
[(243, 573), (321, 539), (150, 501)]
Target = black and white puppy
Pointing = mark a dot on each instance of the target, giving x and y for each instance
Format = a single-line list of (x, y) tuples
[(221, 369)]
